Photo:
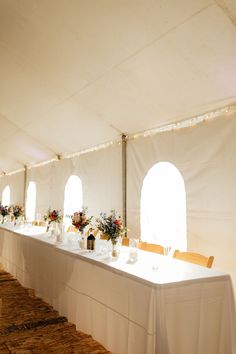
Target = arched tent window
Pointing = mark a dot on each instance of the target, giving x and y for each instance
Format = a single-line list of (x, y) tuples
[(31, 201), (163, 207), (73, 197), (6, 196)]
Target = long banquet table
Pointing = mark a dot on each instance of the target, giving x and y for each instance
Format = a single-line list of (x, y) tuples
[(156, 305)]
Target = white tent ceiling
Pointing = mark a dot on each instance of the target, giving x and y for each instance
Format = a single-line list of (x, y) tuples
[(77, 73)]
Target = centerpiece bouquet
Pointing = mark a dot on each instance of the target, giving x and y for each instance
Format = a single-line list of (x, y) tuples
[(53, 216), (111, 225), (17, 211), (80, 219), (4, 211)]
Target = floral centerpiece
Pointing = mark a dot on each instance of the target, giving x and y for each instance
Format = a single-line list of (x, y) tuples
[(53, 216), (4, 211), (111, 225), (17, 211), (80, 220)]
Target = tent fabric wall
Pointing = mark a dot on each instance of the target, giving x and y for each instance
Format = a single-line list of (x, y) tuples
[(99, 171), (16, 184), (205, 156)]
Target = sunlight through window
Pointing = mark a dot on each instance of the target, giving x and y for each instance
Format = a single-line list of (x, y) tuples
[(31, 201), (6, 196), (163, 207), (73, 197)]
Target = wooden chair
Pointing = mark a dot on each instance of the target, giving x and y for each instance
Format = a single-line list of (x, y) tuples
[(151, 247), (71, 228), (39, 223), (93, 231), (195, 258), (125, 241), (103, 237)]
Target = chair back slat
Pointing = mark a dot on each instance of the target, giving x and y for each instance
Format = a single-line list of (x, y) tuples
[(151, 247), (195, 258)]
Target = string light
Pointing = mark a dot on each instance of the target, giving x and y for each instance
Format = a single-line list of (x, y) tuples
[(186, 123), (55, 159), (92, 149), (12, 172), (183, 124)]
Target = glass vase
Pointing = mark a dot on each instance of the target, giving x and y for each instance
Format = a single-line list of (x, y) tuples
[(82, 239), (114, 249), (51, 229), (58, 232), (15, 221)]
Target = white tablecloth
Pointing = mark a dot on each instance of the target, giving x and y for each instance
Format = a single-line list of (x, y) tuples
[(157, 305)]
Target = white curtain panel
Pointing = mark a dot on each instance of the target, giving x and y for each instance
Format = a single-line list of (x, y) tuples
[(205, 156)]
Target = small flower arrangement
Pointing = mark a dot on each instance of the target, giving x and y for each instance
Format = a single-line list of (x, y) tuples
[(80, 220), (17, 211), (4, 211), (53, 215), (111, 225)]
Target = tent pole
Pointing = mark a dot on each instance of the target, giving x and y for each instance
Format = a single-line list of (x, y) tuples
[(25, 181), (124, 175)]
